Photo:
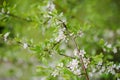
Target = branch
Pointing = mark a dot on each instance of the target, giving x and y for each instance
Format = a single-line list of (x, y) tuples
[(17, 17), (81, 59), (67, 56), (54, 45)]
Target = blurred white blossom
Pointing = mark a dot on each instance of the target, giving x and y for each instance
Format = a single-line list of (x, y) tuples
[(71, 34), (102, 70), (108, 34), (3, 10), (75, 52), (94, 70), (60, 64), (73, 64), (111, 68), (79, 53), (25, 45), (100, 63), (61, 35), (55, 73), (50, 6), (86, 62), (74, 67), (108, 45), (62, 19), (82, 52), (118, 67), (6, 36), (80, 33), (57, 70), (77, 71), (114, 50), (118, 78)]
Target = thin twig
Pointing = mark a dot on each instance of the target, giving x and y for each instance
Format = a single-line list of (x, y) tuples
[(67, 56), (17, 17)]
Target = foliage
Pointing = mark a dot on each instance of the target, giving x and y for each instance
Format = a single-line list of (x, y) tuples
[(49, 40)]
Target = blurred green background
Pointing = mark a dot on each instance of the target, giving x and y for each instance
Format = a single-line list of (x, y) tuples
[(102, 18)]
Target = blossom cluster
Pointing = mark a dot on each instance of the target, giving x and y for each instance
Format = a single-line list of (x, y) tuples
[(74, 67), (108, 46), (50, 6), (61, 35), (57, 70), (80, 33), (82, 53), (79, 53), (112, 68), (100, 68)]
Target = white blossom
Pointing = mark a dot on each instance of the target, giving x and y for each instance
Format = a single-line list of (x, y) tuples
[(3, 10), (79, 53), (62, 19), (108, 45), (61, 35), (118, 67), (108, 34), (82, 52), (86, 62), (100, 63), (114, 50), (71, 34), (104, 49), (102, 69), (50, 6), (94, 70), (61, 14), (75, 52), (91, 74), (25, 45), (111, 70), (73, 66), (77, 71), (6, 36), (98, 66), (80, 33), (60, 64), (57, 70), (55, 73), (118, 78)]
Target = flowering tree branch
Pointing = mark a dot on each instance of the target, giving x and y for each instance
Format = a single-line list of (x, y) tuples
[(46, 49), (76, 46), (15, 16)]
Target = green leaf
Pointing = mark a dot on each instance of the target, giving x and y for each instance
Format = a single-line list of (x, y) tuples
[(4, 3), (42, 70), (97, 58), (101, 42)]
